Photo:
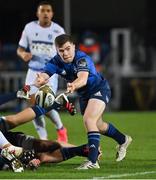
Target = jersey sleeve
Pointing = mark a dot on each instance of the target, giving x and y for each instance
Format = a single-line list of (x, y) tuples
[(50, 69), (62, 31), (82, 65), (24, 39)]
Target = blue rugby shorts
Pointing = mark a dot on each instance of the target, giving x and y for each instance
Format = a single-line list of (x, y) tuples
[(103, 94)]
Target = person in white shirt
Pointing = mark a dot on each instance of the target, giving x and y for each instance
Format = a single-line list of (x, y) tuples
[(36, 47)]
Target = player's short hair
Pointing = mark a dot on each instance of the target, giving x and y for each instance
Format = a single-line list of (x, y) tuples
[(62, 39), (44, 3)]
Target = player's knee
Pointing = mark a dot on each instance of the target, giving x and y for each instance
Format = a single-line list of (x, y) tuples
[(88, 121), (102, 126)]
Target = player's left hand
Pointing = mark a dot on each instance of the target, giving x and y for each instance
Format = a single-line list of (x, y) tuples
[(29, 159), (41, 79), (34, 164), (71, 87)]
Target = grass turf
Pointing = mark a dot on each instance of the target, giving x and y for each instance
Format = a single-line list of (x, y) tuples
[(140, 161)]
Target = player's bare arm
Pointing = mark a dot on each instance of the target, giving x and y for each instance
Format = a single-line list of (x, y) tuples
[(79, 82), (20, 118), (29, 114), (26, 56)]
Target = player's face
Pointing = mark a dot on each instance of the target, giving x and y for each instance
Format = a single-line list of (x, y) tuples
[(45, 14), (67, 52)]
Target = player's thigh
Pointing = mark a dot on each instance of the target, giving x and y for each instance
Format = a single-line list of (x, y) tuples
[(94, 110), (97, 103)]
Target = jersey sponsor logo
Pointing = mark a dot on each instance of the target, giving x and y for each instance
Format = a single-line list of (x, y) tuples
[(42, 42), (43, 48), (82, 63), (36, 34)]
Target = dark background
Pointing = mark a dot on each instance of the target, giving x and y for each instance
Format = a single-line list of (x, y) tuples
[(101, 14)]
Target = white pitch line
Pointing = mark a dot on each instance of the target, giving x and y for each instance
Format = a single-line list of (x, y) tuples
[(124, 175)]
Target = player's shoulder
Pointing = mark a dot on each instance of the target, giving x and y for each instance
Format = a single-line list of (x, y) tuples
[(80, 55), (82, 58), (57, 28), (31, 24), (56, 60)]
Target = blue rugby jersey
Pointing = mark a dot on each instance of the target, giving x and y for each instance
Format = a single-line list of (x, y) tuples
[(81, 62)]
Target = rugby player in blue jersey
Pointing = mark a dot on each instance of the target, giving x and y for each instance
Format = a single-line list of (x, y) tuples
[(94, 94)]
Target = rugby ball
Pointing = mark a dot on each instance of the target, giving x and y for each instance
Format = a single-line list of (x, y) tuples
[(45, 96)]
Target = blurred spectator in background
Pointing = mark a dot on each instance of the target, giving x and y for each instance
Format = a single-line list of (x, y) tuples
[(138, 53), (91, 44)]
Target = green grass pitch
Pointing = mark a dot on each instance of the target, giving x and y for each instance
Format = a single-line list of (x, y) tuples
[(140, 161)]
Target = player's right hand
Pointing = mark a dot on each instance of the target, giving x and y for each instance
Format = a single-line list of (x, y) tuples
[(41, 79), (26, 56), (70, 87)]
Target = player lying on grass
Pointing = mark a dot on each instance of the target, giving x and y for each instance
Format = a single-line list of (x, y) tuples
[(44, 151), (12, 121)]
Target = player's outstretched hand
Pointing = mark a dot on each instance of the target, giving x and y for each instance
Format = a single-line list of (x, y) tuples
[(24, 92), (41, 79)]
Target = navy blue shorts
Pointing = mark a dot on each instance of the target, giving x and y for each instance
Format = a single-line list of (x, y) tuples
[(104, 94)]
